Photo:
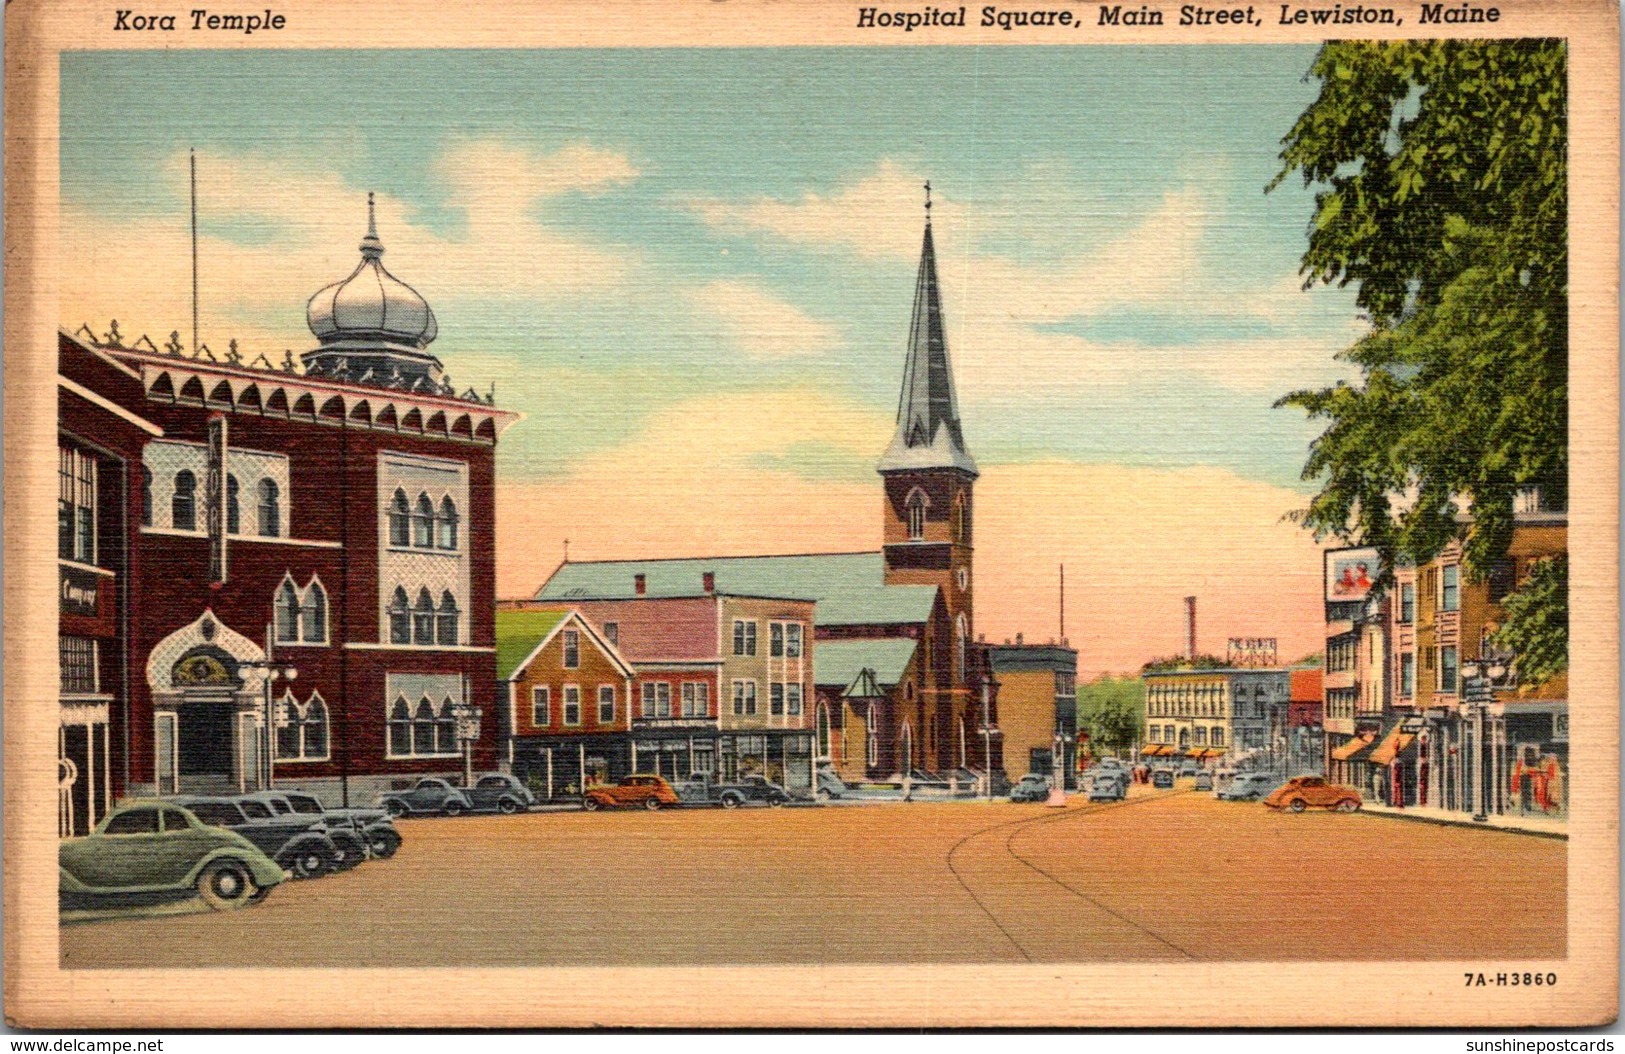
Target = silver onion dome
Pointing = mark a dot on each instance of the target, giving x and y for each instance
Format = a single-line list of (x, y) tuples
[(371, 305)]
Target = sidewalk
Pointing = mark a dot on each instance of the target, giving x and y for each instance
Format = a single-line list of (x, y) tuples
[(1536, 825)]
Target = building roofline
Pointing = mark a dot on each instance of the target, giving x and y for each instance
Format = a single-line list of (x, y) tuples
[(692, 559)]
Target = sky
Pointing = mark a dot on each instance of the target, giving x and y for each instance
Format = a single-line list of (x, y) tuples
[(691, 271)]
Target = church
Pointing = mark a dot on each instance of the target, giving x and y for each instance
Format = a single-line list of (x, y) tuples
[(894, 666)]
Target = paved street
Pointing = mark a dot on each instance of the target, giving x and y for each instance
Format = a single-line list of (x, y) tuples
[(1163, 876)]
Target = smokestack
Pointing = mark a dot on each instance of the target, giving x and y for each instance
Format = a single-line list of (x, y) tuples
[(1063, 602), (1190, 628)]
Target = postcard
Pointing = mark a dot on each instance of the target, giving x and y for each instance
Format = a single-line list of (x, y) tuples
[(811, 515)]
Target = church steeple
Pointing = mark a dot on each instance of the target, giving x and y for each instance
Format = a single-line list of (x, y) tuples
[(928, 431)]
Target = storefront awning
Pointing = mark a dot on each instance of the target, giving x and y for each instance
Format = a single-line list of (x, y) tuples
[(1354, 746), (1392, 745), (1214, 752), (1196, 752), (1150, 750)]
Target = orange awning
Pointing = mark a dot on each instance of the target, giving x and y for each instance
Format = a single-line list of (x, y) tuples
[(1391, 747), (1347, 751), (1214, 752), (1196, 752), (1150, 750), (1165, 750)]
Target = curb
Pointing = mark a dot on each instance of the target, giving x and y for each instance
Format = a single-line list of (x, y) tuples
[(1560, 836)]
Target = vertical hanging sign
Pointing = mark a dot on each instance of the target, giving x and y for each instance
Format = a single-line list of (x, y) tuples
[(215, 496)]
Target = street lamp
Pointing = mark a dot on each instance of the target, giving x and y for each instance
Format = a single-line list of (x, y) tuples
[(273, 670), (467, 717), (1479, 679)]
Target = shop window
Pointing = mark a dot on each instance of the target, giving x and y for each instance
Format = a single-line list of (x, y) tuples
[(270, 509), (183, 506), (541, 706)]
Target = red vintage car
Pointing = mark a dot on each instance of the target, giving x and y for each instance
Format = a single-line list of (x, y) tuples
[(1301, 792), (648, 790)]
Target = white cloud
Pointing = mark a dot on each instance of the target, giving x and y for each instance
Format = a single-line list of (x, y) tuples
[(759, 323)]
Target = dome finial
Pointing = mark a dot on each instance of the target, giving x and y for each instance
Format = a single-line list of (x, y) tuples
[(371, 247)]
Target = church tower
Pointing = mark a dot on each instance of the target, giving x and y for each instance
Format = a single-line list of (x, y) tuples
[(929, 475)]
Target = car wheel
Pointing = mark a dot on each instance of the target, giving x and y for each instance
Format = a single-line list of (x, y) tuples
[(1298, 805), (351, 851), (259, 894), (822, 795), (508, 806), (1347, 805), (453, 807), (591, 804), (384, 844), (776, 802), (312, 862), (652, 804), (730, 801), (396, 808), (225, 885)]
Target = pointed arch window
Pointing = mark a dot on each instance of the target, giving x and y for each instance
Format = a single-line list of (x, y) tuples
[(400, 727), (400, 619), (423, 619), (961, 521), (423, 523), (146, 496), (313, 614), (234, 515), (270, 501), (961, 647), (183, 506), (302, 730), (315, 728), (445, 728), (287, 728), (287, 613), (400, 521), (446, 525), (916, 514), (872, 739), (446, 619), (423, 727)]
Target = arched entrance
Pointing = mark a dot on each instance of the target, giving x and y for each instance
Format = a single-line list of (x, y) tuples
[(208, 710)]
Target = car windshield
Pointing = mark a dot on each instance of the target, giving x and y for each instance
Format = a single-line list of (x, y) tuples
[(136, 821), (278, 806), (255, 810)]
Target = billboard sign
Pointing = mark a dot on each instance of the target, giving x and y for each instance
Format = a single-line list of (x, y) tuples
[(1350, 574)]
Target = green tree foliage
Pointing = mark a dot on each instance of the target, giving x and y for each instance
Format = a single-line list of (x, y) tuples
[(1442, 176), (1536, 629), (1111, 709), (1181, 662)]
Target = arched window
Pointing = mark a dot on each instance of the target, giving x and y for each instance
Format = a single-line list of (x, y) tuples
[(961, 535), (423, 523), (916, 514), (905, 745), (313, 614), (234, 517), (447, 524), (146, 496), (423, 727), (400, 620), (961, 646), (315, 728), (400, 521), (270, 509), (400, 727), (183, 507), (423, 619), (287, 612), (446, 729), (287, 728), (446, 619), (871, 752)]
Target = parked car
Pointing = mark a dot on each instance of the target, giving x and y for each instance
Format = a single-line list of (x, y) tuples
[(375, 826), (1109, 785), (1188, 769), (1112, 763), (298, 843), (150, 852), (650, 791), (431, 796), (1302, 792), (1162, 779), (499, 792), (1204, 781), (1034, 786), (1247, 786), (744, 790), (351, 847), (830, 786)]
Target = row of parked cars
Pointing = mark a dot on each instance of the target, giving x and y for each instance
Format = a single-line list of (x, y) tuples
[(231, 851)]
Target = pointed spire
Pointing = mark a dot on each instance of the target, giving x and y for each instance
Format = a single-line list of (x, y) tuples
[(928, 432), (371, 247)]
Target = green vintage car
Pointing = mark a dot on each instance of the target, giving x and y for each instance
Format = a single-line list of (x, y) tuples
[(150, 852)]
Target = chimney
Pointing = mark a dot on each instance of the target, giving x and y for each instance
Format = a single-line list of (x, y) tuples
[(640, 584), (1018, 640), (710, 581), (1190, 628)]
